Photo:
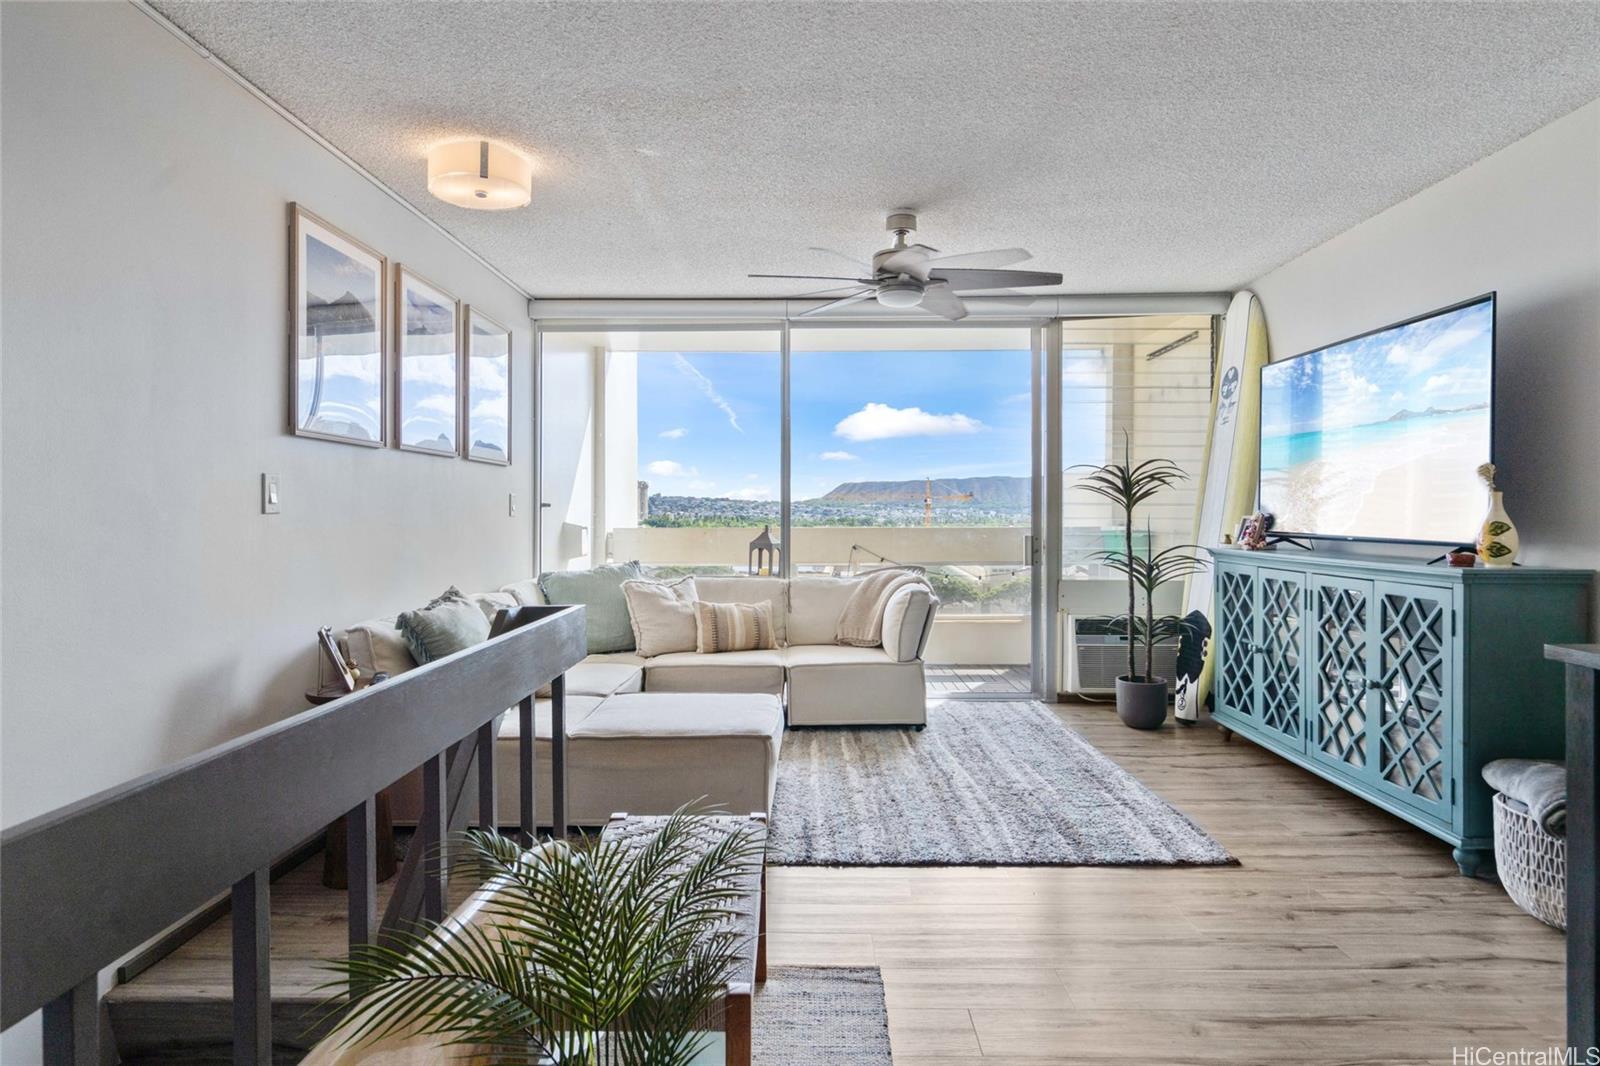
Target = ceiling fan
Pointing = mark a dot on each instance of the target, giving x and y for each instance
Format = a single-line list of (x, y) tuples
[(906, 275)]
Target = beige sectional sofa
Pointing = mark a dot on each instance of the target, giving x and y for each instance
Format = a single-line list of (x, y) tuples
[(646, 735)]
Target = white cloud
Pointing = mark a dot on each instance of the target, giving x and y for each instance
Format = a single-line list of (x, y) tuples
[(670, 468), (675, 433), (444, 405), (754, 492), (1437, 383), (879, 421), (703, 383), (838, 457), (752, 477)]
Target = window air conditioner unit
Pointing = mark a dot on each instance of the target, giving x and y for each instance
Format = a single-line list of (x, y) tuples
[(1095, 653)]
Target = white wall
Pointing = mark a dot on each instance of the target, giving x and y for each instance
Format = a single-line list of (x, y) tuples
[(1525, 222), (150, 610)]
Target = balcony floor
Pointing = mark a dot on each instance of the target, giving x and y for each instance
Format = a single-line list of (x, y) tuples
[(980, 679)]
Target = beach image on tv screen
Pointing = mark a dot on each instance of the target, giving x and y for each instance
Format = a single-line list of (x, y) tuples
[(1381, 436)]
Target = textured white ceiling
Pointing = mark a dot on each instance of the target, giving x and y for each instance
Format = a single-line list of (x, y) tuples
[(1131, 146)]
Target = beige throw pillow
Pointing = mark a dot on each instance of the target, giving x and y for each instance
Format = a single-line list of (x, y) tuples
[(733, 627), (662, 615)]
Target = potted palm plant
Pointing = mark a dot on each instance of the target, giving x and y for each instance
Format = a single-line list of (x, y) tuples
[(1141, 696), (592, 953)]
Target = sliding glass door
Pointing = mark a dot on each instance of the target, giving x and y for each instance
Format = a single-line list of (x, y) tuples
[(946, 447), (915, 446)]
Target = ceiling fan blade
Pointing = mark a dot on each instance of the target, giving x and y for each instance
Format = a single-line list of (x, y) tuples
[(814, 277), (995, 257), (859, 264), (992, 279), (821, 292), (942, 301), (864, 294), (912, 259)]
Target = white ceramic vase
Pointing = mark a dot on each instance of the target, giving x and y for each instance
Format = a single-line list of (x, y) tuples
[(1497, 537)]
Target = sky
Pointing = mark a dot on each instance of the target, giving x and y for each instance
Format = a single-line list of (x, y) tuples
[(1440, 362), (709, 423)]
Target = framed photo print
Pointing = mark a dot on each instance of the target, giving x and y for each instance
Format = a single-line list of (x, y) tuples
[(428, 370), (488, 389), (337, 313)]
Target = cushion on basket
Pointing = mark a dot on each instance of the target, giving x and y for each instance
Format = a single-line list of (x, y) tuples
[(1538, 784)]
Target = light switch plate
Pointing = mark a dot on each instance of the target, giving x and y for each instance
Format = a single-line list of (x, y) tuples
[(511, 504), (269, 494)]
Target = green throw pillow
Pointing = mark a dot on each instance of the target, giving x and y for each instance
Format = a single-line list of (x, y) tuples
[(448, 624), (600, 592)]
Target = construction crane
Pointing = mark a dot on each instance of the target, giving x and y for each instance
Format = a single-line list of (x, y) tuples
[(928, 497)]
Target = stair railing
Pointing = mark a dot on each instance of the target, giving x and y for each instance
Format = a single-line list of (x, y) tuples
[(82, 886)]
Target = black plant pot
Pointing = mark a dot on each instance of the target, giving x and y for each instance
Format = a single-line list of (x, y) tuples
[(1142, 704)]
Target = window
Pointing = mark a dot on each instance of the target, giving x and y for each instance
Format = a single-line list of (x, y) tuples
[(667, 443), (915, 446), (1143, 383)]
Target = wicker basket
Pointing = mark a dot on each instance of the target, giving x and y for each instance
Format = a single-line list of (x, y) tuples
[(1532, 864)]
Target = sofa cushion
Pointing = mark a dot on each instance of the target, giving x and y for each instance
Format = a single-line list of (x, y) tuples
[(603, 675), (734, 671), (662, 615), (803, 655), (728, 627), (815, 603), (905, 619), (492, 603), (717, 589), (578, 709), (449, 623), (683, 714), (525, 592), (599, 590), (377, 646)]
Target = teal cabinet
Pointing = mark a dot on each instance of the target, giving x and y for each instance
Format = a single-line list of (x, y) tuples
[(1396, 680)]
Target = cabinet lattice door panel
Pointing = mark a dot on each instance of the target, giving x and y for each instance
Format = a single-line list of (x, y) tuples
[(1413, 695), (1340, 657), (1280, 667), (1236, 643)]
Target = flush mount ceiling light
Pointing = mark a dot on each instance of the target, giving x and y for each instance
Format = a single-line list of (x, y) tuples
[(480, 174)]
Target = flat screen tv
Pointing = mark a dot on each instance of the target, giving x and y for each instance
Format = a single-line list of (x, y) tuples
[(1379, 437)]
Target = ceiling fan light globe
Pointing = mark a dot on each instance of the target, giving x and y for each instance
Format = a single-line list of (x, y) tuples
[(899, 294)]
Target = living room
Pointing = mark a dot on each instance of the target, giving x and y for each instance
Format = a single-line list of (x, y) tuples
[(926, 426)]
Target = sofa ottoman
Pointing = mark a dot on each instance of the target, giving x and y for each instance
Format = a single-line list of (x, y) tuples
[(652, 752)]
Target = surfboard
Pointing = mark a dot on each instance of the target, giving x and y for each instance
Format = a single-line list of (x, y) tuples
[(1228, 490)]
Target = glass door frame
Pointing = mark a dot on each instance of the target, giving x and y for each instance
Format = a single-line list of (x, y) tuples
[(1041, 545)]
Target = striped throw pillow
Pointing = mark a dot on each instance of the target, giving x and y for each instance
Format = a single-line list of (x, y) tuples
[(733, 626)]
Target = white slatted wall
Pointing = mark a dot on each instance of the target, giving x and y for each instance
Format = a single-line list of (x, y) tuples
[(1110, 384)]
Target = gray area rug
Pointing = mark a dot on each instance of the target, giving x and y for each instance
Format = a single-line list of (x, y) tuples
[(812, 1015), (1002, 784)]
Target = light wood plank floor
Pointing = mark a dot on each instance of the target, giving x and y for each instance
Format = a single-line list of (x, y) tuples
[(1344, 937)]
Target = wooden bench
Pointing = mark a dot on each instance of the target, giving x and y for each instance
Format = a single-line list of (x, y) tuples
[(749, 919)]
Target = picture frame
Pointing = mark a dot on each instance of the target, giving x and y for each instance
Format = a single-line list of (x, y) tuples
[(485, 389), (427, 366), (338, 318), (331, 656)]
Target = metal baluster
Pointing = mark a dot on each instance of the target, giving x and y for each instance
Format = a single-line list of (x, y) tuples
[(72, 1026), (525, 765), (488, 815), (252, 969), (430, 837), (558, 756), (361, 871)]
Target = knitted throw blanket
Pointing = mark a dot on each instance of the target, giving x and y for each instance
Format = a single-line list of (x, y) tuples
[(861, 623)]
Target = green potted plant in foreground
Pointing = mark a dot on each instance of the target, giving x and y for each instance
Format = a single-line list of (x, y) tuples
[(593, 954), (1141, 696)]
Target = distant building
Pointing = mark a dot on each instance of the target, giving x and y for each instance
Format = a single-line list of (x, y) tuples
[(644, 500)]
